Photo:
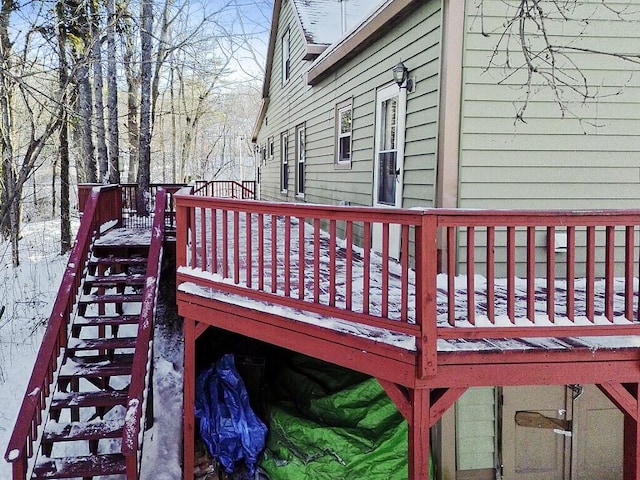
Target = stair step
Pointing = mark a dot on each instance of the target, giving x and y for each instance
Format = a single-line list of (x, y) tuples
[(88, 399), (96, 366), (110, 298), (86, 466), (100, 343), (115, 281), (74, 431), (89, 321), (112, 260)]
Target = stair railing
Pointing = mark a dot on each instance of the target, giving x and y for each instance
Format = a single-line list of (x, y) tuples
[(142, 361), (101, 208)]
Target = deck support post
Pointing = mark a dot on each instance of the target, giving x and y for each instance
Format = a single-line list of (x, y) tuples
[(419, 441), (625, 397), (631, 469), (188, 428)]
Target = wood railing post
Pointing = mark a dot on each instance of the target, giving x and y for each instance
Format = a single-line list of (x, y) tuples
[(426, 311), (182, 228), (118, 206)]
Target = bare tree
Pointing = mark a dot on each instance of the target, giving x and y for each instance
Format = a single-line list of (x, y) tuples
[(133, 84), (112, 94), (63, 136), (98, 87), (528, 43), (144, 149)]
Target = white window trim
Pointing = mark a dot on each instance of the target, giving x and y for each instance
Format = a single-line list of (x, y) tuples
[(340, 108), (286, 57), (284, 162), (300, 158)]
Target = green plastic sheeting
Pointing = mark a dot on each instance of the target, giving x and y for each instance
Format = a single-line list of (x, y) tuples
[(332, 423)]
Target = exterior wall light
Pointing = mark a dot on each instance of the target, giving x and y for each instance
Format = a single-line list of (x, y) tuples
[(401, 77)]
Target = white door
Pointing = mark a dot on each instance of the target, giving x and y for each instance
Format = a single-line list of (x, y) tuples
[(388, 167)]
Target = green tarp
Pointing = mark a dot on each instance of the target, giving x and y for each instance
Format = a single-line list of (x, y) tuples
[(331, 423)]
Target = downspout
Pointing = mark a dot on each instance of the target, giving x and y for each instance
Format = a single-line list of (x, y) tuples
[(449, 115), (450, 103)]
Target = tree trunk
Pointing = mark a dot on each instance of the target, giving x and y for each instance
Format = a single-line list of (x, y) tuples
[(11, 191), (174, 131), (98, 86), (88, 160), (133, 81), (63, 147), (112, 95), (144, 163)]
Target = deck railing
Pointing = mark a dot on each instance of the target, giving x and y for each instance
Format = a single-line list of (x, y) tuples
[(244, 190), (504, 273), (101, 208), (130, 209), (142, 360), (575, 272)]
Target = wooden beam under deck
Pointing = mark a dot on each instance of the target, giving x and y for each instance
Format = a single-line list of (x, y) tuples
[(360, 354), (534, 373)]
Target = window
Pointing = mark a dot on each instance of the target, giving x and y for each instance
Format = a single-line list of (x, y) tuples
[(270, 148), (300, 156), (388, 170), (343, 133), (284, 164), (286, 60)]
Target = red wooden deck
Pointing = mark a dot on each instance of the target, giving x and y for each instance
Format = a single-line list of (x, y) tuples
[(522, 313)]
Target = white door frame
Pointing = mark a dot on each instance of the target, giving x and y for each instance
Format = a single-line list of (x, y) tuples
[(382, 95)]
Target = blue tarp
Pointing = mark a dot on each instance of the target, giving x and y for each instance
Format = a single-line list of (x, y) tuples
[(228, 426)]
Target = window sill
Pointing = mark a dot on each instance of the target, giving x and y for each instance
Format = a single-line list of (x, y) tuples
[(342, 166)]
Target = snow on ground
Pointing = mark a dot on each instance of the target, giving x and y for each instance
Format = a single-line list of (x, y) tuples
[(26, 294), (162, 449)]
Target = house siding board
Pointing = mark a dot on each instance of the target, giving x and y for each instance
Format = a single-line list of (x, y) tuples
[(415, 40), (475, 429), (550, 161)]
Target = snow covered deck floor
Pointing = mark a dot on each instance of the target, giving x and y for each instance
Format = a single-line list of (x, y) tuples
[(300, 265)]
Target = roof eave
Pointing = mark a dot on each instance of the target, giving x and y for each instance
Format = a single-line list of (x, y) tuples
[(273, 32), (361, 37), (259, 120), (313, 50)]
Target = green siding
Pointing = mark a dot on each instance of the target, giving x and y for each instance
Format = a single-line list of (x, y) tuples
[(588, 159), (476, 429), (415, 41)]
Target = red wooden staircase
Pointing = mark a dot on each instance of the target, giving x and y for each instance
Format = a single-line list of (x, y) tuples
[(84, 411)]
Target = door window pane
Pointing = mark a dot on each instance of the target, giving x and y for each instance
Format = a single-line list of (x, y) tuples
[(387, 178)]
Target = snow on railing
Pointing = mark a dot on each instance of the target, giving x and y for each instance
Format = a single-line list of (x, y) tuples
[(573, 271), (305, 257), (489, 274), (141, 370), (100, 206)]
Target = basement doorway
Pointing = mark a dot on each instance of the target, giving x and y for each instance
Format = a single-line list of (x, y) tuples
[(560, 432)]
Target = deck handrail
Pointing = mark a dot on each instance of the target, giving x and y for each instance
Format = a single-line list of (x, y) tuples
[(244, 190), (439, 248), (142, 360), (99, 213), (130, 207), (601, 243)]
